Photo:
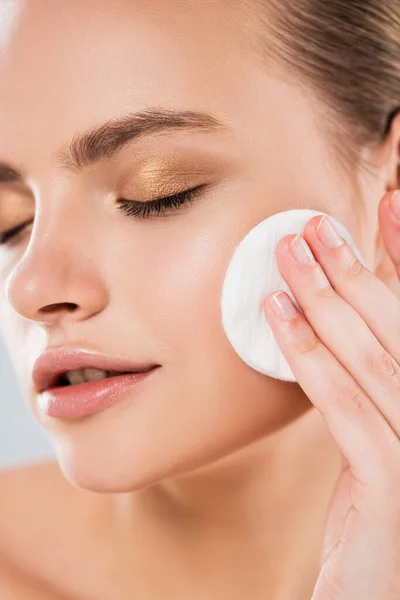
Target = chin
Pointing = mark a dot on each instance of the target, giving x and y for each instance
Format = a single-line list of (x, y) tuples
[(171, 433), (128, 464)]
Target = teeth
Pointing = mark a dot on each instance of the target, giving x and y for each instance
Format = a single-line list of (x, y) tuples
[(76, 377)]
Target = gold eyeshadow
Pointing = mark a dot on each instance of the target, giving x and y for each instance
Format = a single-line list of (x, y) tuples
[(166, 176)]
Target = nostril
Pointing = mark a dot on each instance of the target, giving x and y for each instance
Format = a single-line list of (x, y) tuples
[(50, 308)]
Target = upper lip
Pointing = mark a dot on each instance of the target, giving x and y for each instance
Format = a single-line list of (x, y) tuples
[(53, 363)]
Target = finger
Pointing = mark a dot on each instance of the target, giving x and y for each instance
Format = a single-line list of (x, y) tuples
[(361, 432), (389, 223), (376, 304), (342, 330)]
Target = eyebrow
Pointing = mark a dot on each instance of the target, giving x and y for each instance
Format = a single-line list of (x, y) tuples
[(105, 140)]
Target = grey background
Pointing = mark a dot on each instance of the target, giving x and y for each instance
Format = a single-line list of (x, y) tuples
[(22, 439)]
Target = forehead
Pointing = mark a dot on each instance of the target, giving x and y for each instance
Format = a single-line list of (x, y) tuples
[(68, 64)]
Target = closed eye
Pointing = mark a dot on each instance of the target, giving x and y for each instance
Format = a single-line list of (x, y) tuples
[(11, 233), (131, 208), (160, 205)]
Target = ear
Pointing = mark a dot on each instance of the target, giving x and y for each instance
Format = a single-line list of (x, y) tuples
[(384, 267), (393, 154)]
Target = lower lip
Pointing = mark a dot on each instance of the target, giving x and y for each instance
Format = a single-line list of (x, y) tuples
[(81, 400)]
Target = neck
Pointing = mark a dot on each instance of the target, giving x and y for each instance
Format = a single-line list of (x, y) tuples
[(248, 523)]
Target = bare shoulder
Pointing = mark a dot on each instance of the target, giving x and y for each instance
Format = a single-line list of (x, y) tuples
[(31, 497), (43, 517), (31, 493), (31, 478)]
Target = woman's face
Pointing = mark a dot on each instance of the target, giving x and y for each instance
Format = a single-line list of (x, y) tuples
[(147, 289)]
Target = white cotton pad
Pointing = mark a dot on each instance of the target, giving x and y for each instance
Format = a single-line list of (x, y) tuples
[(252, 275)]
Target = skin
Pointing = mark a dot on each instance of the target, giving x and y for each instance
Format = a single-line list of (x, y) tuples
[(222, 477)]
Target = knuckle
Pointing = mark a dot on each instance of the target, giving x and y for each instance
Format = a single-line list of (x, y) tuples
[(348, 398), (308, 344), (353, 268), (326, 291), (380, 362)]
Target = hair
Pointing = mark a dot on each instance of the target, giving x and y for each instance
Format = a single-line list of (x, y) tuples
[(346, 51)]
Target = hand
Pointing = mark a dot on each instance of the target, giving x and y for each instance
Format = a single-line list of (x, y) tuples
[(345, 354)]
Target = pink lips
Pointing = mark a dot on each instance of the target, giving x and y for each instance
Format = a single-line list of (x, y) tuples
[(74, 401), (53, 362)]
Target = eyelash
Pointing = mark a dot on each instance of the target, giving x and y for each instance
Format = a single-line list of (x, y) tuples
[(132, 208), (145, 209), (11, 233)]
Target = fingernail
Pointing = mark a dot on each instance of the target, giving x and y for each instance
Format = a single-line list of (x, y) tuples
[(283, 307), (395, 203), (328, 235), (301, 250)]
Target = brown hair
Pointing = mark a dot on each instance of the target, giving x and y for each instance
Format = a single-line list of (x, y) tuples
[(347, 51)]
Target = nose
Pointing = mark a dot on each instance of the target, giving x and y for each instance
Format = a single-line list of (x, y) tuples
[(59, 277)]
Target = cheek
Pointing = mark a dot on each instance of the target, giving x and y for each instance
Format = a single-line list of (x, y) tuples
[(179, 297), (186, 297), (186, 306), (182, 309)]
